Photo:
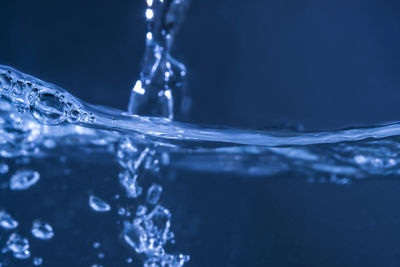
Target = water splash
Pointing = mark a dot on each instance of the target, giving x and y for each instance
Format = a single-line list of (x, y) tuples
[(38, 118), (160, 88)]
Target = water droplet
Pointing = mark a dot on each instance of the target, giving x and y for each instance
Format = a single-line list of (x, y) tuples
[(47, 108), (42, 230), (98, 204), (6, 221), (37, 261), (153, 194), (19, 246), (22, 180)]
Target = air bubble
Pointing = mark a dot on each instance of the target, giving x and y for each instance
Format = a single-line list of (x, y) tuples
[(98, 204), (42, 230), (6, 221), (19, 246), (121, 211), (37, 261), (23, 180), (47, 108), (153, 194), (74, 116), (3, 168)]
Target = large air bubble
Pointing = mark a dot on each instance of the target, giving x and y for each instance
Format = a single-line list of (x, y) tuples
[(47, 108)]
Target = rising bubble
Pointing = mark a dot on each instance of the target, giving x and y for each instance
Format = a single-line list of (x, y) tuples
[(6, 221), (42, 230), (19, 246), (22, 180), (98, 204)]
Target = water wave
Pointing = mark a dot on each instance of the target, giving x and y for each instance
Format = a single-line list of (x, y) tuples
[(50, 113)]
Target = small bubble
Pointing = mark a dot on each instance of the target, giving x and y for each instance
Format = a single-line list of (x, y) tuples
[(129, 260), (49, 143), (121, 211), (3, 168), (42, 230), (22, 180), (154, 193), (74, 116), (96, 244), (98, 204), (100, 255), (6, 221), (19, 246), (92, 118), (141, 210), (37, 261)]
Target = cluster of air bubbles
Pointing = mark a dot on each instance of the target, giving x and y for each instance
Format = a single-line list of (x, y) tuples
[(19, 245), (148, 233), (47, 104)]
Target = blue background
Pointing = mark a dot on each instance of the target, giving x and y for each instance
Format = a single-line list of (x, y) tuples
[(325, 64)]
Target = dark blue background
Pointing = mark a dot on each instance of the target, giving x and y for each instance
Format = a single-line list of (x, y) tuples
[(325, 64)]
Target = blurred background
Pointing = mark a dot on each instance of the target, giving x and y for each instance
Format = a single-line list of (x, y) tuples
[(325, 64)]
